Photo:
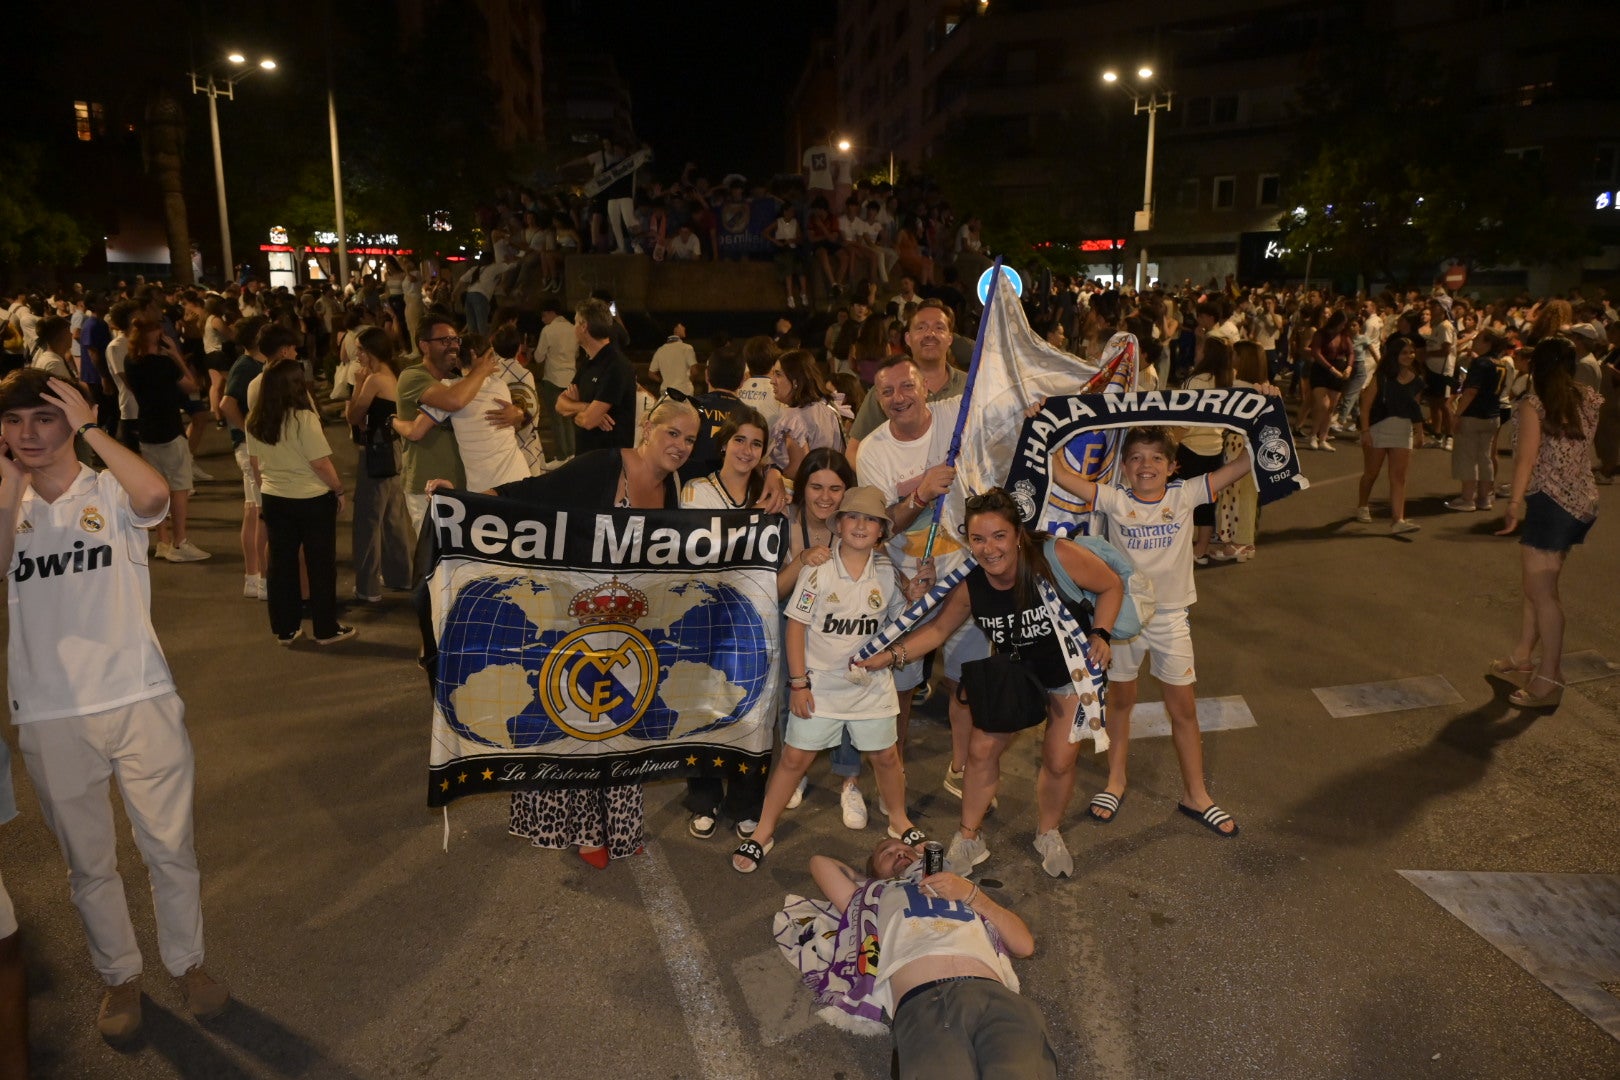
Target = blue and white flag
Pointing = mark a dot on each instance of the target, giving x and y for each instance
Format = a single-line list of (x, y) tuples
[(574, 648)]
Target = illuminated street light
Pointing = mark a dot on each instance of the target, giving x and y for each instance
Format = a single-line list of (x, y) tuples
[(226, 85), (1149, 100), (843, 146)]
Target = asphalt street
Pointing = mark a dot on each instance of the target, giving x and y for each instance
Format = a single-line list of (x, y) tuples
[(358, 947)]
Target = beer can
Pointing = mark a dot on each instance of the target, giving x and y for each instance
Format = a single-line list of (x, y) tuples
[(933, 857)]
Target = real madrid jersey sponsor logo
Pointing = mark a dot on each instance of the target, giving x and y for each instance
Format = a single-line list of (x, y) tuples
[(599, 680), (91, 520)]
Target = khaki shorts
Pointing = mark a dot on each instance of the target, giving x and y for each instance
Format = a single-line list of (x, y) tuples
[(172, 459)]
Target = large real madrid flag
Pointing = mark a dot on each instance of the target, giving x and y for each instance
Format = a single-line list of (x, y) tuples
[(572, 648)]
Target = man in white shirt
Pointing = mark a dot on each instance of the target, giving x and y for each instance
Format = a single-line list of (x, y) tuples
[(90, 691), (684, 246), (673, 361), (906, 295), (759, 354), (485, 427), (905, 460), (1440, 360), (558, 351), (129, 413), (859, 253)]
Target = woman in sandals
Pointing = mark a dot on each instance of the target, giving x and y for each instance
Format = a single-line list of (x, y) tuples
[(834, 609), (735, 485), (1002, 594), (1555, 496)]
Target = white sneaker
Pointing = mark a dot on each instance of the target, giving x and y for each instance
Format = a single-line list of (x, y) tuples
[(262, 586), (953, 780), (1055, 857), (1404, 526), (250, 587), (1327, 444), (197, 472), (1447, 444), (854, 805), (798, 793), (1364, 514), (186, 551), (163, 551), (965, 854), (790, 303)]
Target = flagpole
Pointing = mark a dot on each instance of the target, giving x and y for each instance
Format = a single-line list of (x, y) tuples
[(967, 399)]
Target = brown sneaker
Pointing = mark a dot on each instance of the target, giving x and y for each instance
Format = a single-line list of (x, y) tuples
[(205, 996), (120, 1015)]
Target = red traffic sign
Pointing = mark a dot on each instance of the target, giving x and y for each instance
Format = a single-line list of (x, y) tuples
[(1456, 277)]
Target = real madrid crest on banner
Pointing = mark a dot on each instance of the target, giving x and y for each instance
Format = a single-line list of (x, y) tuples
[(599, 680)]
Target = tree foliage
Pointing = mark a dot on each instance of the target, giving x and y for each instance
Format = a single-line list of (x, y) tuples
[(1399, 171), (32, 234)]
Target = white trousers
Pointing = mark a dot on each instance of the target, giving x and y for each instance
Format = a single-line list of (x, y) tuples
[(146, 747), (621, 215)]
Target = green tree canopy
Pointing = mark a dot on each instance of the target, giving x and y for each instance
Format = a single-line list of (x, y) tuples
[(32, 235)]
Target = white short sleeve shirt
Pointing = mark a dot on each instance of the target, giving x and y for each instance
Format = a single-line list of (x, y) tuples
[(1157, 536), (80, 604), (840, 614)]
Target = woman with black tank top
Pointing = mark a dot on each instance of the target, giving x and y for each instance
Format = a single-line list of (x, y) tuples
[(1391, 409), (383, 543), (1003, 596)]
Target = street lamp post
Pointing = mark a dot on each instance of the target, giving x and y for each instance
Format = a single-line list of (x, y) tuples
[(224, 85), (1146, 97), (844, 147)]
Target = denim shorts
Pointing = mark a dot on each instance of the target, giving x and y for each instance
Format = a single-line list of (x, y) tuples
[(1548, 526)]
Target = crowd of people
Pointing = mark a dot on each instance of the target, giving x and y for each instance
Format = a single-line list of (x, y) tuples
[(840, 422)]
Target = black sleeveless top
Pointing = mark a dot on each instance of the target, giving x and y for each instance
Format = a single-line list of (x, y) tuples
[(1028, 632)]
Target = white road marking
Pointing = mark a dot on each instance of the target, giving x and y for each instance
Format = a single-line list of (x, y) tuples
[(1365, 699), (1587, 665), (720, 1044), (1558, 927), (1150, 721)]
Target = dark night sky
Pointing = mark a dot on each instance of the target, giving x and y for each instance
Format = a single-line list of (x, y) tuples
[(709, 80)]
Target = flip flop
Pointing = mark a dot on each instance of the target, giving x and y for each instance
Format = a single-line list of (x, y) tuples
[(911, 837), (753, 852), (1104, 802), (1211, 819)]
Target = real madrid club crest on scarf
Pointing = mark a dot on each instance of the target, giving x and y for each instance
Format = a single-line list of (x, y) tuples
[(600, 678)]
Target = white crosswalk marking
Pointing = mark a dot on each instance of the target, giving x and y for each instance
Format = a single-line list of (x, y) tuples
[(1149, 720), (1366, 699), (1558, 927)]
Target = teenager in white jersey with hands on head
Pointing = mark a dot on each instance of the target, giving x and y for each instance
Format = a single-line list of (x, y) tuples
[(74, 544)]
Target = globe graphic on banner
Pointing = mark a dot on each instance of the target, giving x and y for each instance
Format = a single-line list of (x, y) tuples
[(699, 659)]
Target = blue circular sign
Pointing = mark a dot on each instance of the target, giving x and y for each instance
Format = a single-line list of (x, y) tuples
[(1010, 274)]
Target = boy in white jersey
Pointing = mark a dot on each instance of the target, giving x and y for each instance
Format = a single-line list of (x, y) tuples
[(1151, 521), (942, 957), (90, 690), (833, 610)]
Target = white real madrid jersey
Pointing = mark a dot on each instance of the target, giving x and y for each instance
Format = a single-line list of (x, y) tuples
[(80, 603)]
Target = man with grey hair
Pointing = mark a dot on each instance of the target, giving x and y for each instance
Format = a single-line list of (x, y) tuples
[(601, 401)]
